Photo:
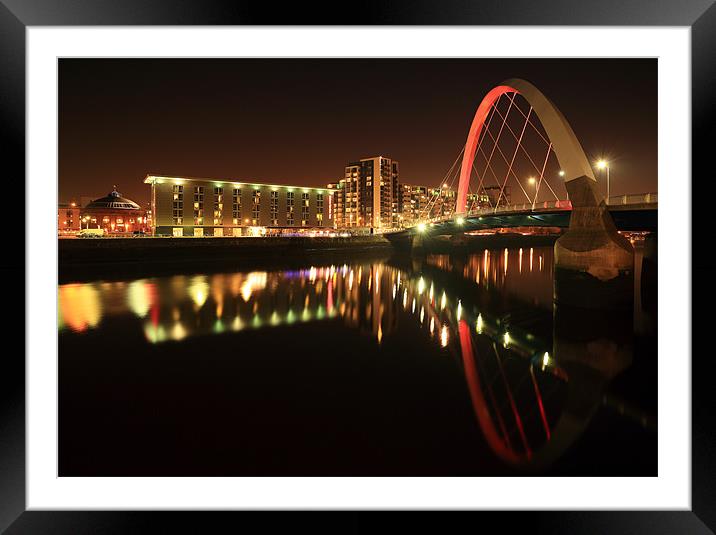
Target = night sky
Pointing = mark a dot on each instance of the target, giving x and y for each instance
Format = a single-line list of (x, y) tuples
[(299, 121)]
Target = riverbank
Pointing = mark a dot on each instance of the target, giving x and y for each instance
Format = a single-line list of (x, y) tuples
[(86, 259), (108, 258)]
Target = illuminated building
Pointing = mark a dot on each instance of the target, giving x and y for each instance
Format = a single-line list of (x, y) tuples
[(68, 217), (336, 205), (369, 194), (443, 202), (184, 206), (406, 208), (414, 203), (477, 201), (419, 203), (115, 214)]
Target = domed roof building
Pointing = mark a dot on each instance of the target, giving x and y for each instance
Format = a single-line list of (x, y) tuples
[(113, 200), (115, 214)]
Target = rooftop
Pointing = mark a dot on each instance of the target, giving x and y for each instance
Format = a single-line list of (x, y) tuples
[(151, 179), (114, 200)]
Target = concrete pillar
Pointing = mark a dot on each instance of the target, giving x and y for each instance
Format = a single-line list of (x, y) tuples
[(594, 264)]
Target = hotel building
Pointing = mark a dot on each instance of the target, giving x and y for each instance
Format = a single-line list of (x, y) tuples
[(186, 206)]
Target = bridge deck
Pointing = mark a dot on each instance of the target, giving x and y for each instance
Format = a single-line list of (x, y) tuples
[(631, 217)]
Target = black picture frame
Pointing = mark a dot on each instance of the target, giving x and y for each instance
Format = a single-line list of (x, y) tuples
[(17, 15)]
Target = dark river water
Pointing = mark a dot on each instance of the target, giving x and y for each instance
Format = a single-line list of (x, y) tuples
[(392, 367)]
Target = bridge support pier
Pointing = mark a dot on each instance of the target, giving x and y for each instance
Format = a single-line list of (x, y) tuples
[(594, 264)]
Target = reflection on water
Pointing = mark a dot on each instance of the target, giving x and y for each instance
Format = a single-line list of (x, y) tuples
[(525, 273), (533, 389)]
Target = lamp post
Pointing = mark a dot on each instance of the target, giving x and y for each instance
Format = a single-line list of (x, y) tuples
[(561, 175), (531, 180), (603, 164)]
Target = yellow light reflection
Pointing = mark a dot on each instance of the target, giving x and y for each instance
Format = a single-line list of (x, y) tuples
[(275, 319), (154, 334), (237, 324), (80, 305), (520, 255), (290, 317), (139, 297), (444, 337), (178, 331), (545, 360), (198, 290), (256, 280)]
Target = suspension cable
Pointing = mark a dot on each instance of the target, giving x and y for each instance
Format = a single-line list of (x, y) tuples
[(523, 149), (431, 200), (509, 170)]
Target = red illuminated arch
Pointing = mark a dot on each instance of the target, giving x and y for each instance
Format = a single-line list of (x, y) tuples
[(567, 148), (479, 403), (572, 421)]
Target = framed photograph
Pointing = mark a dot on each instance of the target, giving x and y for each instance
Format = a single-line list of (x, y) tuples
[(403, 262)]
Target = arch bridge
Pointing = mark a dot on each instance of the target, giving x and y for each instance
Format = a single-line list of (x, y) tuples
[(520, 142)]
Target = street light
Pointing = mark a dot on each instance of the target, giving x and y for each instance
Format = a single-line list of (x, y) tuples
[(561, 175), (603, 164), (531, 180)]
